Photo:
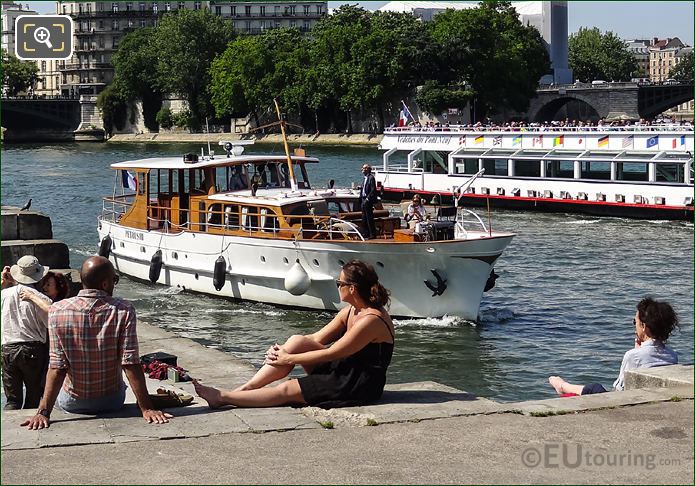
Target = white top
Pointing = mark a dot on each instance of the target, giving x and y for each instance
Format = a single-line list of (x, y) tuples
[(420, 209), (22, 321), (650, 354)]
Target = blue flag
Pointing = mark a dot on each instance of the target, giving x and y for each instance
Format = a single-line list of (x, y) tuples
[(651, 141)]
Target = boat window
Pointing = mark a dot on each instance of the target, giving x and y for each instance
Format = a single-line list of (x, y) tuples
[(467, 166), (300, 209), (631, 171), (670, 173), (141, 182), (215, 214), (197, 180), (497, 167), (527, 168), (268, 220), (231, 216), (596, 170), (302, 177), (260, 175), (563, 169), (249, 218)]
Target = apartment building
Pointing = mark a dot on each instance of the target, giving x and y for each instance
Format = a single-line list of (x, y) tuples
[(663, 57), (257, 17), (10, 12), (99, 27), (640, 51)]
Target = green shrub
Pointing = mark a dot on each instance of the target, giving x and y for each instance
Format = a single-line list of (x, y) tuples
[(164, 118)]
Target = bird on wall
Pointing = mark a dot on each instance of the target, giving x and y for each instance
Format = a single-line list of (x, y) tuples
[(26, 206)]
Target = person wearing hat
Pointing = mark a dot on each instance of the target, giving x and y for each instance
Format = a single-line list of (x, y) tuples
[(24, 334), (368, 199)]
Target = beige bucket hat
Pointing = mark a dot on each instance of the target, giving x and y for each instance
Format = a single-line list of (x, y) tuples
[(28, 270)]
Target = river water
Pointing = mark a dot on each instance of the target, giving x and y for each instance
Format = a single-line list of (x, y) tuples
[(563, 304)]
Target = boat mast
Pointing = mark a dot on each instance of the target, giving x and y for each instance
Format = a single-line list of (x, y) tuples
[(293, 181)]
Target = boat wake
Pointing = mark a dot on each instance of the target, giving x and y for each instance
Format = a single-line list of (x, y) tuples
[(445, 321), (496, 315)]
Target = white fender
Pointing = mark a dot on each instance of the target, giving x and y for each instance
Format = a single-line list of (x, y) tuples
[(297, 281)]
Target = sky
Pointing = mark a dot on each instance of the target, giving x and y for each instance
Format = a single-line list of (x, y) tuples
[(628, 20)]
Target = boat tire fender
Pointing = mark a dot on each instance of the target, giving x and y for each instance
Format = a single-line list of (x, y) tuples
[(105, 247), (156, 266), (219, 273)]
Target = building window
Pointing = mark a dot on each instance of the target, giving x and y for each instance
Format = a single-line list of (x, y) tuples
[(101, 41), (307, 9), (277, 10), (43, 66), (80, 7), (196, 5), (101, 25), (114, 25), (155, 7), (262, 10), (143, 23), (232, 12), (115, 42), (114, 7), (307, 26), (130, 22), (293, 23), (128, 6), (218, 10), (182, 5), (319, 10), (141, 6), (248, 26), (247, 10), (167, 7)]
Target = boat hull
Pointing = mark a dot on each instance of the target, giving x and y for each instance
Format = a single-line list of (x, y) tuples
[(258, 267)]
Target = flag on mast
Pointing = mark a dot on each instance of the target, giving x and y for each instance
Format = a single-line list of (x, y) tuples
[(406, 112)]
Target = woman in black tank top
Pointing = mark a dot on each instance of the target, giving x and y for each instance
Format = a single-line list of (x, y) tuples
[(346, 361)]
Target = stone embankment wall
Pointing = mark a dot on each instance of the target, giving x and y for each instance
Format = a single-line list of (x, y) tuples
[(214, 138), (31, 233)]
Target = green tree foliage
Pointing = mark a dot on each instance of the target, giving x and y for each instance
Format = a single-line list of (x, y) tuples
[(255, 69), (595, 55), (683, 71), (186, 43), (135, 77), (489, 50), (435, 98), (114, 108), (18, 75)]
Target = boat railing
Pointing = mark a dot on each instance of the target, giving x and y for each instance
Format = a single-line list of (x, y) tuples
[(467, 221), (603, 128), (113, 208)]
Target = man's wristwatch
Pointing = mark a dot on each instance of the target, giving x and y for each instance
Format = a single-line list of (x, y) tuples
[(44, 412)]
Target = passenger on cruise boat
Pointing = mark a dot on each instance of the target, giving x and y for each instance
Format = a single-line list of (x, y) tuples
[(654, 322), (416, 212), (346, 361)]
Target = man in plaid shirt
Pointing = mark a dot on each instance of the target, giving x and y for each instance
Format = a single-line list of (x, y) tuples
[(92, 338)]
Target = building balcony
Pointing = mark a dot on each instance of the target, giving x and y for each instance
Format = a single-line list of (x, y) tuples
[(272, 15), (120, 14)]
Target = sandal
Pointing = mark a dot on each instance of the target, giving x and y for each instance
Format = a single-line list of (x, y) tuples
[(170, 399)]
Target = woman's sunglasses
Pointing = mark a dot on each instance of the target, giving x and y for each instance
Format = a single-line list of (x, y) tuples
[(340, 283)]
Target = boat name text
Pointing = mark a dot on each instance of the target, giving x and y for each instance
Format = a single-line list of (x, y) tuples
[(134, 235), (445, 139)]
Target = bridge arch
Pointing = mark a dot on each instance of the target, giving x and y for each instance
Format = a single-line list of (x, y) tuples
[(572, 107)]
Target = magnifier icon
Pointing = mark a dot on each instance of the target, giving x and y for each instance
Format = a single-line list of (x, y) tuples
[(43, 36)]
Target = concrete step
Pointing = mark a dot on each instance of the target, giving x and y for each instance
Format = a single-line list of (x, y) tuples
[(53, 253), (25, 225), (661, 376)]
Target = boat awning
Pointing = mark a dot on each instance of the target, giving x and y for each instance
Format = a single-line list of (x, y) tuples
[(178, 162), (625, 156)]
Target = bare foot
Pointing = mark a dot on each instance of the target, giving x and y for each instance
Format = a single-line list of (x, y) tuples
[(557, 383), (209, 394)]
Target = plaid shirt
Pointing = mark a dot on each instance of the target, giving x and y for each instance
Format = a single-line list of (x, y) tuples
[(91, 336)]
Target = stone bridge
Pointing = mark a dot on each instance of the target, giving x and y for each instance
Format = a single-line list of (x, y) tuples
[(50, 119), (610, 100)]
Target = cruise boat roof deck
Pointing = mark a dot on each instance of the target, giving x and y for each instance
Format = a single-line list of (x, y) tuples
[(178, 162)]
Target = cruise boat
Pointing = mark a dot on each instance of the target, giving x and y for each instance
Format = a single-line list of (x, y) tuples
[(638, 172), (254, 227)]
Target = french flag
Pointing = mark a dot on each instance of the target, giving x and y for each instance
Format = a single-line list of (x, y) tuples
[(129, 180), (402, 119)]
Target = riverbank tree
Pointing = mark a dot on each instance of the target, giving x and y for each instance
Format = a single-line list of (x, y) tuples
[(683, 71), (17, 75), (597, 55)]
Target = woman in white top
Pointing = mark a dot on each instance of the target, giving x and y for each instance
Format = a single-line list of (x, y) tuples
[(654, 322), (416, 212)]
